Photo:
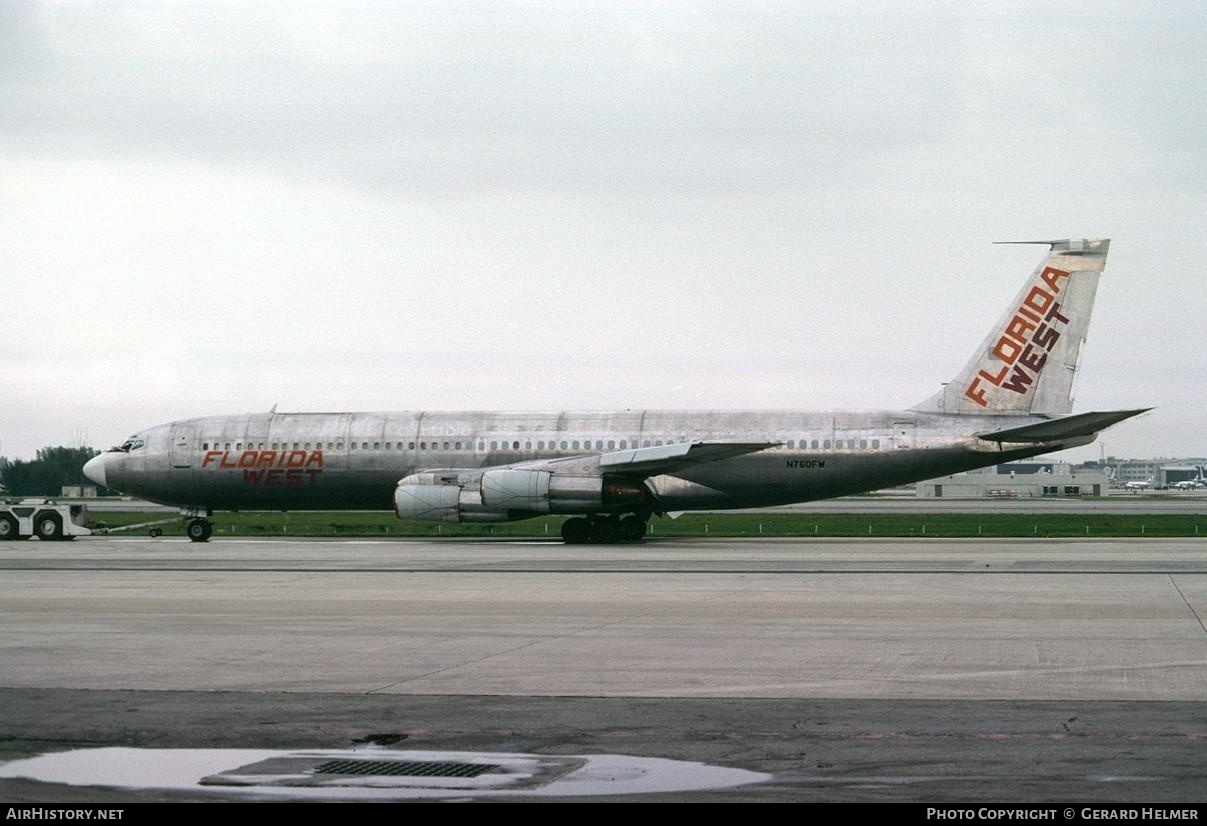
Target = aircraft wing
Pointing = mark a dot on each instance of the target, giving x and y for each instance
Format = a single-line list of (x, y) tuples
[(1067, 427), (653, 461)]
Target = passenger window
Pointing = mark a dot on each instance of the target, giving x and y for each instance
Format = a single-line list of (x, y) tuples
[(457, 446), (658, 443), (791, 444), (611, 445), (494, 445), (228, 446), (410, 445), (574, 444), (527, 445), (205, 445), (826, 444), (238, 445), (423, 445), (389, 445), (446, 445), (515, 445), (863, 443), (623, 443), (647, 443), (339, 445), (563, 444)]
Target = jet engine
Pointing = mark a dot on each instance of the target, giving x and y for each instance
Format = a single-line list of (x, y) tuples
[(504, 494)]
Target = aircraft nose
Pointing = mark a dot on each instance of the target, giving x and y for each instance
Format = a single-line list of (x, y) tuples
[(94, 469)]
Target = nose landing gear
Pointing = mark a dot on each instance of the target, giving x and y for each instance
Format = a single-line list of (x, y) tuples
[(199, 530)]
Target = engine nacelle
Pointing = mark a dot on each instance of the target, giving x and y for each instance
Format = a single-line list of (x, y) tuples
[(441, 497), (541, 491), (505, 494)]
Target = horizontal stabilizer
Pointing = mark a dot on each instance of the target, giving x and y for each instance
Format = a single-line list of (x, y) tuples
[(653, 461), (1054, 430)]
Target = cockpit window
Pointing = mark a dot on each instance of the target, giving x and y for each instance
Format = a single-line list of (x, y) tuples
[(133, 443)]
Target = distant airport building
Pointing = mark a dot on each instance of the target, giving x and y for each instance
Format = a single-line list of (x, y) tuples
[(1155, 473), (1019, 480), (1170, 475), (1040, 477), (1133, 470)]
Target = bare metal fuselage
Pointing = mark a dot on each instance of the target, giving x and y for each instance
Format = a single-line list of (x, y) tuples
[(1010, 400), (355, 460)]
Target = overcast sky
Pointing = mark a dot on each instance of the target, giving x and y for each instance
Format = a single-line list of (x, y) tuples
[(215, 208)]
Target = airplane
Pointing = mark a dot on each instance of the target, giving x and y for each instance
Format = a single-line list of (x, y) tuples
[(611, 472), (1192, 484)]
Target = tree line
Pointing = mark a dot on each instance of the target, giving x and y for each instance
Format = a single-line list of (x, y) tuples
[(47, 474)]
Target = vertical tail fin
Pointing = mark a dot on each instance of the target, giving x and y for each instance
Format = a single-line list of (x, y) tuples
[(1028, 362)]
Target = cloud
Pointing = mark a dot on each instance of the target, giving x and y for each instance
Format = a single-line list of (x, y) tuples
[(211, 207)]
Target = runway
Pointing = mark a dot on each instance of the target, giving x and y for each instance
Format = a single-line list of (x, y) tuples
[(966, 666)]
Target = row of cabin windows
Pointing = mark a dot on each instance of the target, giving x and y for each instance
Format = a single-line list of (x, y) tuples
[(574, 444), (275, 446), (839, 444)]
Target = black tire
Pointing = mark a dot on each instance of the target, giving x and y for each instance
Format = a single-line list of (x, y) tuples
[(48, 527), (576, 531), (155, 533), (199, 530), (632, 528), (605, 531), (9, 529)]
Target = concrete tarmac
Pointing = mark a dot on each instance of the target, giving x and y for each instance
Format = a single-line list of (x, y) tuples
[(849, 669)]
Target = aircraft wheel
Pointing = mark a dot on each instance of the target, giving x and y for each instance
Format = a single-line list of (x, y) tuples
[(48, 527), (605, 531), (632, 528), (8, 529), (199, 530), (576, 531), (155, 533)]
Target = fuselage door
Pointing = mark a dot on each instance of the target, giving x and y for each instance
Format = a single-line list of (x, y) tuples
[(903, 435), (182, 447)]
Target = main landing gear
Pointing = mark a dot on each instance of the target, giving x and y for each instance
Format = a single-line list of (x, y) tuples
[(199, 530), (604, 529)]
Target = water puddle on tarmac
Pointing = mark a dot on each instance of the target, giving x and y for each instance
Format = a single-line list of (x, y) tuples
[(373, 773)]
